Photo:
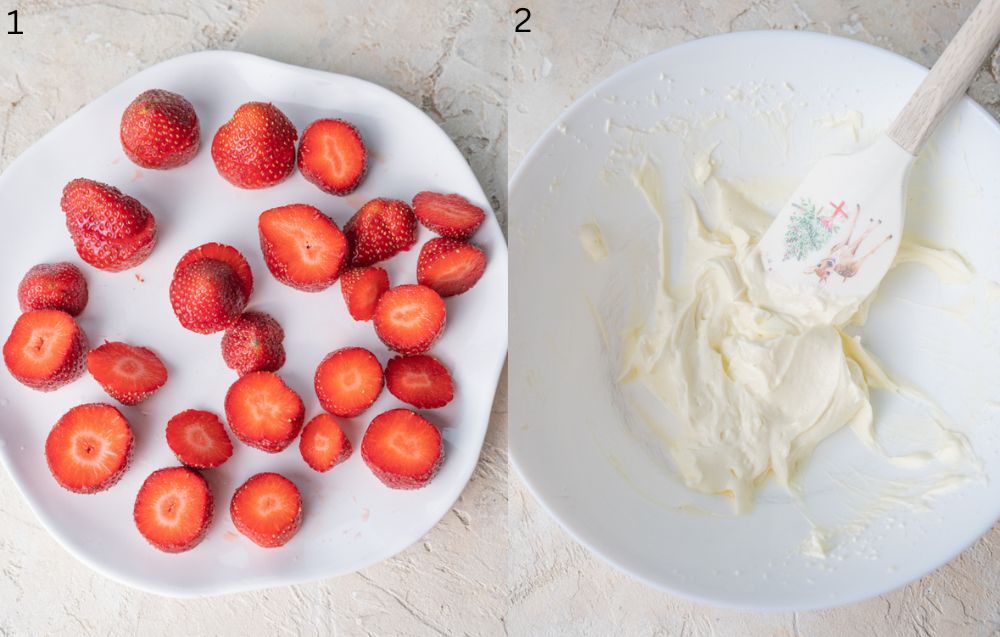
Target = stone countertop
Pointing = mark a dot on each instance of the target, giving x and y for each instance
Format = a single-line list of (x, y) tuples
[(558, 587), (448, 58)]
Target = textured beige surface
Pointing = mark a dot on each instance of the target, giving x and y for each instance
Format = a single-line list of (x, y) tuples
[(557, 587), (449, 58)]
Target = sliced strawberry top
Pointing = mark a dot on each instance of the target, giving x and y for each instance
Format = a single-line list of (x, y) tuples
[(409, 318), (348, 381), (450, 216), (46, 349), (228, 255), (89, 448), (302, 247), (128, 373), (207, 296), (362, 288), (267, 508), (263, 411), (173, 509), (256, 147), (254, 343), (380, 229), (323, 443), (421, 380), (450, 267), (199, 439), (53, 286), (159, 130), (402, 448), (332, 155)]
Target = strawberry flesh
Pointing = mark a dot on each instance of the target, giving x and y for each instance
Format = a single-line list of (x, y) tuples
[(256, 147), (173, 509), (199, 439), (409, 318), (263, 411), (267, 508), (254, 343), (53, 286), (450, 216), (303, 248), (89, 448), (421, 380), (450, 267), (402, 449), (362, 288), (332, 155), (380, 229), (348, 381), (46, 349), (323, 444), (128, 373), (159, 130)]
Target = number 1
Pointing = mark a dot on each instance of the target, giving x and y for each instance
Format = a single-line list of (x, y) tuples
[(15, 31)]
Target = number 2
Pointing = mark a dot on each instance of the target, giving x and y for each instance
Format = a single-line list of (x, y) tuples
[(15, 31), (527, 16)]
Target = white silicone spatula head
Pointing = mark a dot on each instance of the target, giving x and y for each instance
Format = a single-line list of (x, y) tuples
[(831, 244)]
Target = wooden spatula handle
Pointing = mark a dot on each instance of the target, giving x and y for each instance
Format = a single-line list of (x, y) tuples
[(949, 78)]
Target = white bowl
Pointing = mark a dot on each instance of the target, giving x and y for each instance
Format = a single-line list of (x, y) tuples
[(574, 443), (351, 520)]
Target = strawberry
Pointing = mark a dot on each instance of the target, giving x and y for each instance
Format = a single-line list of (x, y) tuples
[(451, 216), (210, 288), (256, 147), (263, 411), (362, 288), (89, 448), (173, 509), (46, 349), (159, 130), (53, 286), (332, 155), (303, 248), (323, 444), (348, 381), (199, 439), (380, 229), (420, 380), (402, 449), (254, 343), (267, 508), (111, 231), (450, 267), (129, 374), (409, 318)]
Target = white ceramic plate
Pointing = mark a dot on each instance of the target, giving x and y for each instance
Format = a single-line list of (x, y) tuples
[(350, 519), (607, 483)]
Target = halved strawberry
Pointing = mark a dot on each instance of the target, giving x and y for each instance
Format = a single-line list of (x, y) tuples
[(450, 216), (228, 255), (173, 509), (128, 373), (267, 508), (254, 343), (111, 231), (332, 155), (380, 229), (348, 381), (450, 267), (420, 380), (89, 448), (263, 411), (207, 296), (402, 449), (46, 349), (303, 248), (409, 318), (256, 147), (362, 288), (199, 439), (323, 443), (53, 286), (159, 130)]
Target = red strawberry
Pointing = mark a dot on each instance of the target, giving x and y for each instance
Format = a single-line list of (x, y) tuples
[(45, 350), (380, 229), (362, 288), (256, 147), (263, 411), (53, 286), (208, 294), (159, 129), (267, 508), (323, 443), (226, 254), (111, 231), (420, 380), (173, 509), (332, 155), (348, 381), (450, 216), (199, 439), (254, 344), (402, 449), (89, 448), (129, 374), (303, 248), (409, 318), (450, 267)]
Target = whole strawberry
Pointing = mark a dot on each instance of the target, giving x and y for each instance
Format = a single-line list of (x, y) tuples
[(159, 130), (381, 229), (111, 231), (254, 344), (256, 147), (53, 286), (210, 288)]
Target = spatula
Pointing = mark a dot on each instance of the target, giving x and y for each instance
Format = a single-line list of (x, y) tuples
[(831, 244)]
